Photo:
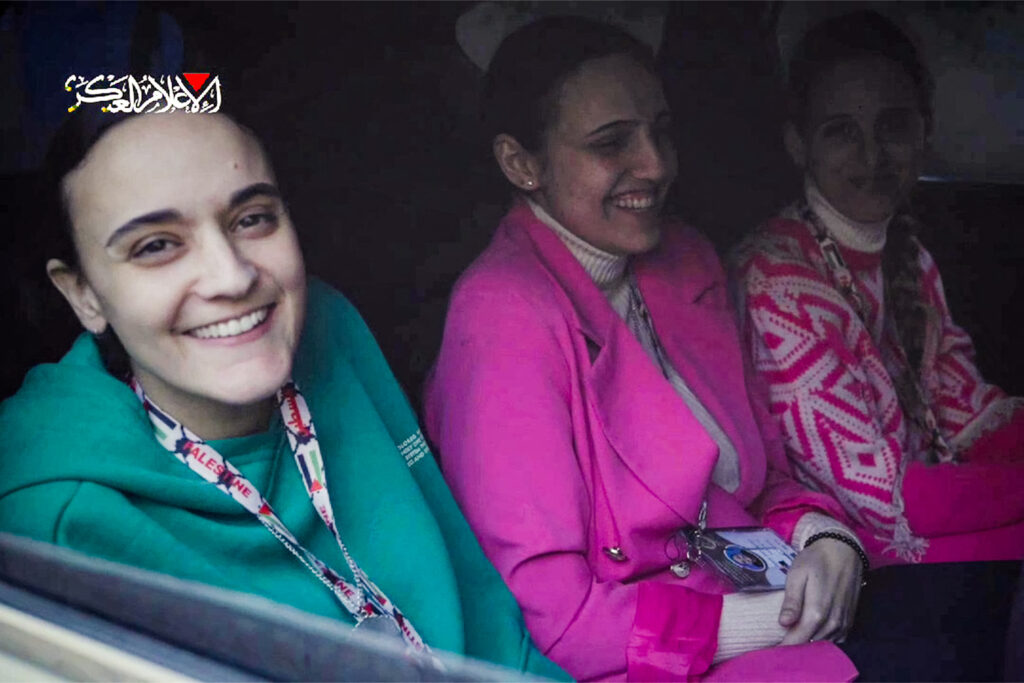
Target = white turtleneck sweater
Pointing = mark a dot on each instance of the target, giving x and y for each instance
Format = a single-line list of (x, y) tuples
[(749, 621), (866, 237)]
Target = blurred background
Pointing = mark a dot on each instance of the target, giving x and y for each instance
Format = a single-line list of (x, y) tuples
[(369, 112)]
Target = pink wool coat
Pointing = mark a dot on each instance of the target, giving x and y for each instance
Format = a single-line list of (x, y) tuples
[(561, 438)]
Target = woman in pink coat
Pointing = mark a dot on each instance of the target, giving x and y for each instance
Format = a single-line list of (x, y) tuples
[(591, 401), (591, 398)]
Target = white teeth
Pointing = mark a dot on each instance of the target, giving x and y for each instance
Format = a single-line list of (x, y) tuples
[(634, 203), (231, 328)]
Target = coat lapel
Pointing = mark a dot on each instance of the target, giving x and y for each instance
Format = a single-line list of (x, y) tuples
[(684, 289), (648, 425), (643, 418)]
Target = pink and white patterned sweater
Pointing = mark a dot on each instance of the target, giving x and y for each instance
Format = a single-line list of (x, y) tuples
[(829, 375)]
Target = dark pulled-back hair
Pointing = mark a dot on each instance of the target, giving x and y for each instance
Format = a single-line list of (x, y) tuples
[(77, 135), (846, 38), (857, 36), (521, 87)]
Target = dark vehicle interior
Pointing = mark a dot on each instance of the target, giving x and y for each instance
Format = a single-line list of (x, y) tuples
[(370, 113)]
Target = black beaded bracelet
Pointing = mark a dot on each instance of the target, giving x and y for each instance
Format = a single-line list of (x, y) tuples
[(843, 538)]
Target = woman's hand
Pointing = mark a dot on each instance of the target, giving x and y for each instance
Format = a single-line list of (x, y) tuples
[(821, 593)]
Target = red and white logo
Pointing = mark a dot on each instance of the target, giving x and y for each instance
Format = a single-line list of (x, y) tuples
[(196, 93)]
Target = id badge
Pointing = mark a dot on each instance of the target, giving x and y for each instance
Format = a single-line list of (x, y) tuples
[(751, 558)]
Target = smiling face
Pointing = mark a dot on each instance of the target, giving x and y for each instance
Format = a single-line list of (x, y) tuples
[(864, 137), (608, 158), (187, 252)]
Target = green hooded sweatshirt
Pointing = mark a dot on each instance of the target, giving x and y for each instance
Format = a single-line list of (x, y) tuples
[(80, 468)]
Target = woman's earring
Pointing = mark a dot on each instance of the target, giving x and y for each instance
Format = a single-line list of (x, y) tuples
[(529, 183)]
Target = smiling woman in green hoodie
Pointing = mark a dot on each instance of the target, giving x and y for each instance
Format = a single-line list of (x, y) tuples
[(222, 419)]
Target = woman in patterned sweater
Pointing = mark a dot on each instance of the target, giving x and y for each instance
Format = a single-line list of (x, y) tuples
[(872, 382)]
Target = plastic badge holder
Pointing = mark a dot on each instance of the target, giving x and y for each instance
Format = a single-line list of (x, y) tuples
[(751, 558)]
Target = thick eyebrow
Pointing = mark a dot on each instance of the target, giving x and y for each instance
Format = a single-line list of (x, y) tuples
[(169, 215), (161, 216), (662, 116), (254, 190)]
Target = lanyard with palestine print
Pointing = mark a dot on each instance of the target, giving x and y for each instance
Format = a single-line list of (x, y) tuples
[(364, 600)]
